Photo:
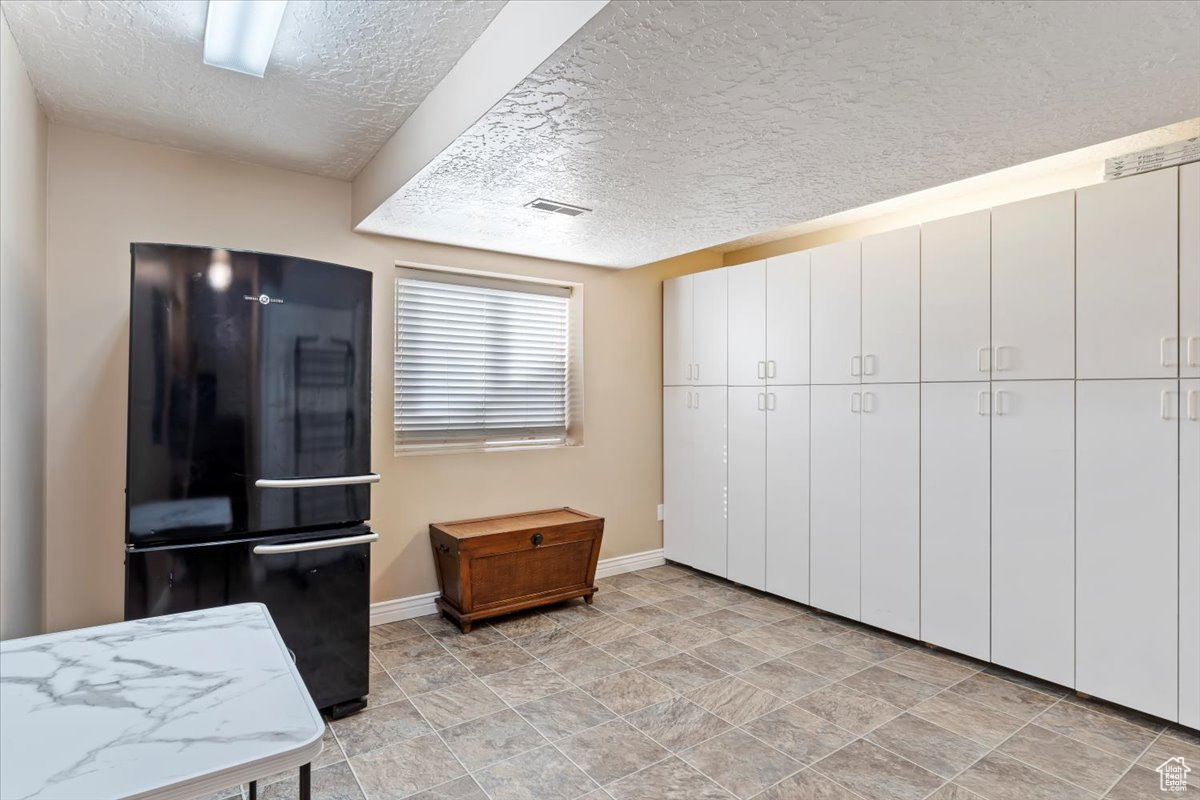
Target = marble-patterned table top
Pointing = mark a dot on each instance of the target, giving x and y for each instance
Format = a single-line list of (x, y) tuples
[(167, 707)]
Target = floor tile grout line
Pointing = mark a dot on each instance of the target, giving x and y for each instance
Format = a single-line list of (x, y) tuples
[(1136, 763), (1058, 698), (435, 731), (1005, 740), (1066, 700), (576, 733), (759, 624)]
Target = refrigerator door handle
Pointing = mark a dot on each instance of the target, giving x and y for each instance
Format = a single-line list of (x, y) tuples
[(320, 544), (301, 483)]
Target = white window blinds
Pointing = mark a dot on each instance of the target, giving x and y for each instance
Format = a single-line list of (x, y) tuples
[(480, 362)]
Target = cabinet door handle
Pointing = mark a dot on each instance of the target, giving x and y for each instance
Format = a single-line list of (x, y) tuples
[(984, 364), (856, 366), (1193, 407), (984, 404), (1193, 351), (868, 402), (770, 401), (869, 364), (1164, 351), (697, 375), (1000, 402), (762, 370), (689, 399), (771, 368), (855, 402), (762, 402), (697, 399), (1164, 404), (1000, 362)]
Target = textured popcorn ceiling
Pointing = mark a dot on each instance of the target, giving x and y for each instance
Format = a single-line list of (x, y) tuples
[(342, 77), (686, 125)]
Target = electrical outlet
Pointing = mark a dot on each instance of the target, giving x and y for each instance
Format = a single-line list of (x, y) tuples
[(660, 512)]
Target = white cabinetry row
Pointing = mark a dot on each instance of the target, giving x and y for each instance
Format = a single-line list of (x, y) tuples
[(983, 433)]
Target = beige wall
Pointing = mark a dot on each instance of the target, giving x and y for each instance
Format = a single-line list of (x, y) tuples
[(106, 192), (22, 343)]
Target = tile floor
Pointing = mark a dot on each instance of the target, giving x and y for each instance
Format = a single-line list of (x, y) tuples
[(679, 686)]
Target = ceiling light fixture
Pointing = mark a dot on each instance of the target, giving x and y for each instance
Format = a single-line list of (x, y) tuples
[(239, 34)]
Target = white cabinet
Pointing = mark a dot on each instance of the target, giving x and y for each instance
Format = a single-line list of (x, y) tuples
[(836, 343), (787, 296), (1033, 528), (1189, 269), (695, 324), (709, 327), (955, 266), (694, 480), (787, 492), (677, 331), (677, 473), (891, 307), (747, 485), (1126, 277), (955, 488), (834, 499), (1033, 288), (1189, 554), (1127, 543), (890, 507), (747, 324)]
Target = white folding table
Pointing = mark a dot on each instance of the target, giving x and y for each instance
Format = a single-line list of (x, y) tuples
[(170, 707)]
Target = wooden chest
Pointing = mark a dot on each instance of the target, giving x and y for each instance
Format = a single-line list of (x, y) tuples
[(496, 565)]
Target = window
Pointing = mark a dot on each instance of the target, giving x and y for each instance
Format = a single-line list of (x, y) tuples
[(484, 362)]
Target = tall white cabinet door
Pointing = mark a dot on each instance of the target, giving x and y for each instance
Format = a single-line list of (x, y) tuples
[(955, 486), (891, 307), (1033, 528), (955, 262), (834, 532), (709, 479), (1189, 554), (891, 510), (788, 319), (1189, 269), (677, 331), (836, 308), (787, 492), (1127, 543), (747, 485), (747, 324), (710, 311), (1126, 277), (678, 490), (1033, 288)]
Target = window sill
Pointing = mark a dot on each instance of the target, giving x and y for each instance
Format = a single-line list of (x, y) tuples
[(450, 450)]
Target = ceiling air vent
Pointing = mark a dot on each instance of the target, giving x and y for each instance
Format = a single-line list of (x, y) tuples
[(554, 207)]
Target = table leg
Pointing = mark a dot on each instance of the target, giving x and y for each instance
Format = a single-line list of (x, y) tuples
[(305, 782), (253, 790)]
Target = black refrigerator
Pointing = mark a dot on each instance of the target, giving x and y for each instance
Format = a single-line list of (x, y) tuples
[(249, 450)]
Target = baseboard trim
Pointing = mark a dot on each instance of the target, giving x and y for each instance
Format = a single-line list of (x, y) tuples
[(421, 604), (607, 567), (404, 608)]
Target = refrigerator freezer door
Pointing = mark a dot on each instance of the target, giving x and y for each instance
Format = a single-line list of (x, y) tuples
[(247, 373), (317, 595)]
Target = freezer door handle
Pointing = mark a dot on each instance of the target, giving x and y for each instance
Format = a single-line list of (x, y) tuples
[(320, 544), (302, 483)]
